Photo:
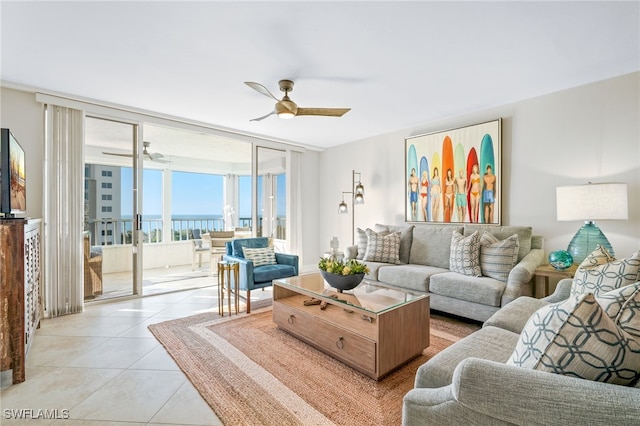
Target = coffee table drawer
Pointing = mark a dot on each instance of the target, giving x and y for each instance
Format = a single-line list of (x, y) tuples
[(351, 348)]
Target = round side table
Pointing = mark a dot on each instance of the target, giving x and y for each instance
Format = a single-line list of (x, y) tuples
[(224, 274)]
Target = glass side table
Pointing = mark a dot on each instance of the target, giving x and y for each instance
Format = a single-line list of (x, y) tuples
[(224, 274)]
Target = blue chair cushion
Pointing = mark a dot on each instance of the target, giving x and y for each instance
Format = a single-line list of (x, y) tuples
[(272, 272), (259, 242)]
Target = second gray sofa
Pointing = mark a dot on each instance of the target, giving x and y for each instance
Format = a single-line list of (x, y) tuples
[(424, 267)]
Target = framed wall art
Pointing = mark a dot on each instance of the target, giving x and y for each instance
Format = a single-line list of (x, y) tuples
[(454, 176)]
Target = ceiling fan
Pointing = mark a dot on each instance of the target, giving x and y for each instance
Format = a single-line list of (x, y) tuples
[(286, 108), (145, 153)]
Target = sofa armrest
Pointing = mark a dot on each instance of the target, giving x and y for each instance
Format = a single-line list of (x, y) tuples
[(521, 275), (563, 288), (523, 396), (487, 392), (288, 259), (245, 271)]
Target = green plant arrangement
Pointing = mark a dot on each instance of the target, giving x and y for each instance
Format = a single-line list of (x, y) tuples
[(338, 267)]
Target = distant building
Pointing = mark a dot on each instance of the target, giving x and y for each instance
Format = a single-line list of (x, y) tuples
[(102, 204)]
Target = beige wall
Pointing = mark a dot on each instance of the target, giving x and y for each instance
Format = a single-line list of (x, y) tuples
[(588, 133), (20, 112)]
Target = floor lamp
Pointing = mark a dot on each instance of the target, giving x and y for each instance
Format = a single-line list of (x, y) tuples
[(594, 201), (357, 192)]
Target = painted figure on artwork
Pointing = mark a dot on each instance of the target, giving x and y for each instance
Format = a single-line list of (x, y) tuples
[(448, 195), (488, 194), (413, 193), (474, 194), (435, 194), (461, 195), (424, 192)]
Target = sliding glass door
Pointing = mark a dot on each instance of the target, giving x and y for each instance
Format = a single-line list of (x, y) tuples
[(271, 195)]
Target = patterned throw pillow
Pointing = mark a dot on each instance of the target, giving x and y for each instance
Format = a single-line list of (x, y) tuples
[(577, 338), (600, 272), (465, 254), (382, 248), (260, 256), (623, 306), (498, 257)]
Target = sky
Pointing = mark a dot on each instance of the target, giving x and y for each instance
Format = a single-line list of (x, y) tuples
[(192, 194)]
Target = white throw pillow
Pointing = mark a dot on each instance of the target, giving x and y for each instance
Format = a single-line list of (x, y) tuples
[(382, 248), (260, 256), (498, 257), (600, 272), (578, 338), (465, 254)]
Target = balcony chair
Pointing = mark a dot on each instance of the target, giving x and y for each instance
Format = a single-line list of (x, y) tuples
[(218, 245), (92, 270), (254, 277), (198, 248)]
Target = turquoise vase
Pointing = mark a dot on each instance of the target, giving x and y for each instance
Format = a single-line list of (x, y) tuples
[(560, 259)]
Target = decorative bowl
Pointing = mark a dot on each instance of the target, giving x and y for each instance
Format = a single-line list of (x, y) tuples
[(560, 259), (342, 282)]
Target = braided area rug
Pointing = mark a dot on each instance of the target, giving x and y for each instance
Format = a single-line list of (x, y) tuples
[(252, 373)]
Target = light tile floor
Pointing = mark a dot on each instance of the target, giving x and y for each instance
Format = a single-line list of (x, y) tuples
[(104, 367)]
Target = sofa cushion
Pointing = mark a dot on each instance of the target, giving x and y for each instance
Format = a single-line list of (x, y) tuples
[(361, 243), (498, 257), (577, 338), (514, 316), (490, 343), (260, 256), (483, 290), (411, 277), (431, 245), (504, 232), (600, 272), (406, 237), (374, 268), (465, 254), (382, 248)]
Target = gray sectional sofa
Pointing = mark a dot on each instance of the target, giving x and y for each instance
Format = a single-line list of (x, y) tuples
[(471, 382), (424, 267)]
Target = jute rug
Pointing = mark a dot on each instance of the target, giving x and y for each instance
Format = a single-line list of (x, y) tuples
[(252, 373)]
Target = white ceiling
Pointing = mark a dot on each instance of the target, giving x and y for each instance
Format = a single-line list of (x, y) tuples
[(396, 64)]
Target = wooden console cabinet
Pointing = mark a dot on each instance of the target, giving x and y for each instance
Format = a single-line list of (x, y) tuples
[(20, 300), (373, 329)]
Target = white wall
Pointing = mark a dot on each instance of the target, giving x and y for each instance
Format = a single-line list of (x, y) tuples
[(20, 112), (588, 133)]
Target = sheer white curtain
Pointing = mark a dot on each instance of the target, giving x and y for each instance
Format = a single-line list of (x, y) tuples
[(294, 204), (63, 211)]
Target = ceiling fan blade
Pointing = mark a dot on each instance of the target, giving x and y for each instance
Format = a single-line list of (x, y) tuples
[(260, 88), (117, 154), (327, 112), (263, 117)]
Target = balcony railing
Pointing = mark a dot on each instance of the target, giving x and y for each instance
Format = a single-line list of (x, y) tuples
[(119, 231)]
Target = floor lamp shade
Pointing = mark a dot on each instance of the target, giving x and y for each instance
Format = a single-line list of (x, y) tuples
[(595, 201)]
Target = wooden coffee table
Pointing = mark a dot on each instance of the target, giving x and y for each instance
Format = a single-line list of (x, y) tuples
[(371, 328)]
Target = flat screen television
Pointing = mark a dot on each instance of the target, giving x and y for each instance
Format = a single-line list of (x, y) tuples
[(13, 182)]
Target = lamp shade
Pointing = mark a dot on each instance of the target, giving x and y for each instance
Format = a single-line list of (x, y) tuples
[(594, 201), (342, 208)]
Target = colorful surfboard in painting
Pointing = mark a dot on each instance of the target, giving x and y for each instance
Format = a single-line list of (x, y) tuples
[(412, 164), (472, 159), (436, 199), (487, 158), (459, 165), (424, 170), (447, 164)]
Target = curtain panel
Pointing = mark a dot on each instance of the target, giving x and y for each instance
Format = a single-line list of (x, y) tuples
[(63, 211)]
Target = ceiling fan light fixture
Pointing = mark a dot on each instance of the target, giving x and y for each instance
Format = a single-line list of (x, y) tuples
[(286, 115)]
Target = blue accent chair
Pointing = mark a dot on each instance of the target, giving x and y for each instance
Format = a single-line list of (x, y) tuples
[(254, 277)]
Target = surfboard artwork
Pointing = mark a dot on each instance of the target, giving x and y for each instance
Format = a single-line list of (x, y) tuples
[(460, 201), (412, 185), (425, 196), (460, 151), (473, 179), (488, 169), (447, 172), (436, 188)]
